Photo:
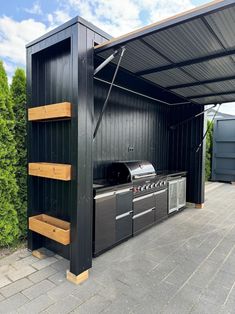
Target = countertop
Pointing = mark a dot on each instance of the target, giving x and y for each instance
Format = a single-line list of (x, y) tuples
[(104, 185)]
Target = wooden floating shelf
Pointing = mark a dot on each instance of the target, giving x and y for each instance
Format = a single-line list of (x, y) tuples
[(50, 170), (50, 227), (54, 111)]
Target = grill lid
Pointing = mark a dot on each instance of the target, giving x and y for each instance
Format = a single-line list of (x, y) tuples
[(128, 171)]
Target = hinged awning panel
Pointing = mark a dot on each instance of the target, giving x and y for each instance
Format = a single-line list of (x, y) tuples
[(191, 54)]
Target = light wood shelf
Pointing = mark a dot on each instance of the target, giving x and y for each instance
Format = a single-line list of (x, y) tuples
[(50, 170), (50, 227), (49, 112)]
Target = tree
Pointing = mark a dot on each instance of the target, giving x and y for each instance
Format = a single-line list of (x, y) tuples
[(8, 157), (209, 147), (18, 92)]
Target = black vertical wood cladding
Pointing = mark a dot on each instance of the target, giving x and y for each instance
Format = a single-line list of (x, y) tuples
[(184, 141), (60, 68), (129, 121)]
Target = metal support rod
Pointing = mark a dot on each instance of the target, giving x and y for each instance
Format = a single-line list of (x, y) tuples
[(109, 91), (207, 130), (172, 127), (105, 62), (133, 92)]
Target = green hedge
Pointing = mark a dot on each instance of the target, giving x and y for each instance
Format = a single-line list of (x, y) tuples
[(18, 92), (9, 227)]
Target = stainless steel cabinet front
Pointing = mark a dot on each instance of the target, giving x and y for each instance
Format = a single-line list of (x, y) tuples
[(104, 222)]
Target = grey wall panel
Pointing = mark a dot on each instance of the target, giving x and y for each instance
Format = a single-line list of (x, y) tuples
[(129, 121), (223, 159)]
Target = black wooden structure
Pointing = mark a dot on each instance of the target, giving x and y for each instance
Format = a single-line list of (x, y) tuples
[(169, 72)]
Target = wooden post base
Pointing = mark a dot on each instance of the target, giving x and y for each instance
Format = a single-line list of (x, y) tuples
[(39, 254), (77, 279), (199, 206)]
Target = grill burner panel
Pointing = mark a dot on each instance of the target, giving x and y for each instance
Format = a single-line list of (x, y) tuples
[(141, 173)]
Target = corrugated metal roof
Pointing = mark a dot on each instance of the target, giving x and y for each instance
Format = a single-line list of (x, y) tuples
[(192, 48)]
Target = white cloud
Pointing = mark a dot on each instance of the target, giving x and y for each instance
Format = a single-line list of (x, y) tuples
[(119, 17), (58, 17), (36, 9), (15, 35)]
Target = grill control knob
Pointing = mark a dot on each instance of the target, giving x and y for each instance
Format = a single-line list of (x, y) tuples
[(152, 185), (141, 188)]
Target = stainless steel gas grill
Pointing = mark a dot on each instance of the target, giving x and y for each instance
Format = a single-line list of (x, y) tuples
[(149, 191)]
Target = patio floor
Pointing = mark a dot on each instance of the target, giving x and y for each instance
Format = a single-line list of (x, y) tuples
[(183, 265)]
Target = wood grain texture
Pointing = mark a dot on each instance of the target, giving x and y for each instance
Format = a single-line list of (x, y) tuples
[(50, 227), (77, 279), (199, 206), (50, 170), (48, 112)]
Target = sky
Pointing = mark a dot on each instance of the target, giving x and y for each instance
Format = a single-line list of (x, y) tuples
[(22, 21)]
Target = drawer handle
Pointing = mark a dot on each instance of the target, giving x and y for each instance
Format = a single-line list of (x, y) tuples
[(104, 195), (159, 192), (123, 191), (143, 213), (124, 215), (142, 197)]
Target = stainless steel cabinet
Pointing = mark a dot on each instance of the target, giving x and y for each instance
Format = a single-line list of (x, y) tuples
[(104, 221), (161, 205), (176, 194)]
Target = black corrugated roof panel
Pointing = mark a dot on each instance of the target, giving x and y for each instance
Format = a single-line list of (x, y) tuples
[(189, 50)]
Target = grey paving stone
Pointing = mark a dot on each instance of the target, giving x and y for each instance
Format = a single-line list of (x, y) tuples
[(9, 259), (123, 304), (42, 274), (44, 262), (4, 281), (20, 273), (12, 303), (58, 292), (1, 297), (15, 287), (58, 278), (38, 289), (61, 265), (37, 305), (183, 301), (87, 290), (206, 308), (28, 260), (64, 306), (96, 304), (204, 274)]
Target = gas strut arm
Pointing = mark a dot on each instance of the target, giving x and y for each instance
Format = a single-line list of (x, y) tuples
[(172, 127), (105, 62), (200, 145), (109, 91)]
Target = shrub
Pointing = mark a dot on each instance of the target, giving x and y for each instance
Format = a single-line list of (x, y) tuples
[(8, 157), (18, 92), (209, 148)]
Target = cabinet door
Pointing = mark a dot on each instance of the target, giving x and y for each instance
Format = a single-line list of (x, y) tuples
[(172, 196), (104, 222), (123, 201), (161, 205), (181, 192)]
